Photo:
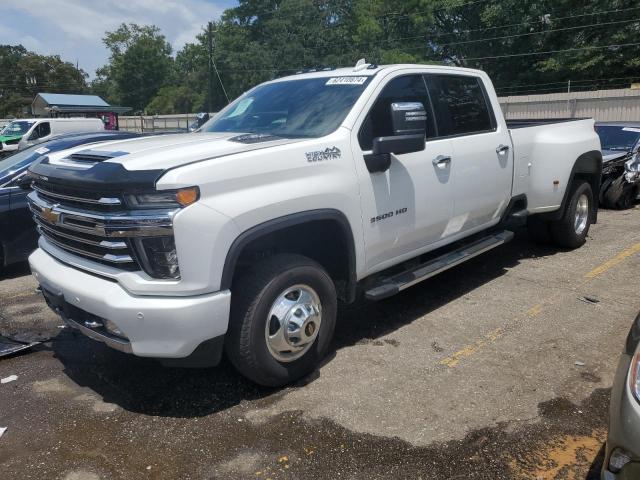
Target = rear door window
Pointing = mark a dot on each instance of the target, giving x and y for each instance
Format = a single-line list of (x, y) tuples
[(461, 105), (408, 88)]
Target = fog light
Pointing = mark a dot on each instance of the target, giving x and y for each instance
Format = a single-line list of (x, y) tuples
[(159, 257), (619, 458), (113, 329)]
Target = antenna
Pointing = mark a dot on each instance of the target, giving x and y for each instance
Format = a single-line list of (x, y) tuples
[(361, 65)]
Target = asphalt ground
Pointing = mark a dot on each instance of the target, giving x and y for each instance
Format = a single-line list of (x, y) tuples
[(497, 369)]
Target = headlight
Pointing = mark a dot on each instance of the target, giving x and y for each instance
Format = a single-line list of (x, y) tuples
[(164, 198), (158, 256), (634, 375)]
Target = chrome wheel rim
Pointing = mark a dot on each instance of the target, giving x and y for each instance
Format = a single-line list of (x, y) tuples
[(293, 323), (582, 214)]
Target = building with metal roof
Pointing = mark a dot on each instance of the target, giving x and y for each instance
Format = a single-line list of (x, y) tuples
[(67, 105)]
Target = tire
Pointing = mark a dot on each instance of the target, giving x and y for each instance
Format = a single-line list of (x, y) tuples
[(565, 232), (606, 183), (539, 230), (620, 195), (253, 319)]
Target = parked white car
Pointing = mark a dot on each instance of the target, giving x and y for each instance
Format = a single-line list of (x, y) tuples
[(303, 191), (42, 129)]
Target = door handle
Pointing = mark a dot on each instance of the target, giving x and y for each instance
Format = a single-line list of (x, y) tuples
[(442, 161), (502, 149)]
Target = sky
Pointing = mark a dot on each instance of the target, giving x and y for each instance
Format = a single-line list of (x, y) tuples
[(74, 29)]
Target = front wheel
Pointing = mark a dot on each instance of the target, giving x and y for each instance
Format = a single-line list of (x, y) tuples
[(572, 229), (283, 315)]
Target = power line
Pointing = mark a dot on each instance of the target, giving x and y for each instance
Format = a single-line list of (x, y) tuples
[(429, 35), (620, 45), (592, 80), (538, 33)]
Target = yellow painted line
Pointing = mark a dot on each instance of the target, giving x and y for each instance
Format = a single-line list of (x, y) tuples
[(615, 261), (470, 350), (534, 311)]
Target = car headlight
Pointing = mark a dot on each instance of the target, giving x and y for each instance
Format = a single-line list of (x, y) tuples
[(634, 375), (164, 198)]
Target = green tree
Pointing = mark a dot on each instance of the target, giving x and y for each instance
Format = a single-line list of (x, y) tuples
[(23, 74), (176, 99), (140, 63)]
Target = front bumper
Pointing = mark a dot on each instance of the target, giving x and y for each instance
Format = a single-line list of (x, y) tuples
[(161, 327), (624, 425), (9, 148)]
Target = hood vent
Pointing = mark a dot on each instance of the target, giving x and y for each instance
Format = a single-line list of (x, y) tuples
[(94, 156), (88, 158)]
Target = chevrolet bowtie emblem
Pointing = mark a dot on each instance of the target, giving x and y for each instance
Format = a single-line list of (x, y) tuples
[(50, 216)]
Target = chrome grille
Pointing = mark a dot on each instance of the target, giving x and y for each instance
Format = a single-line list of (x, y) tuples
[(74, 198), (88, 227)]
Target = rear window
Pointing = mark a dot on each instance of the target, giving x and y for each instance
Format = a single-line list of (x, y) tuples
[(460, 105)]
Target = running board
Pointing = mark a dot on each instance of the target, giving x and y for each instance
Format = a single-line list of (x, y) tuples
[(401, 281)]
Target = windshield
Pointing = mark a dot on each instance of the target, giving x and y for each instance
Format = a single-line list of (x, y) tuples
[(19, 160), (291, 109), (16, 128), (618, 137)]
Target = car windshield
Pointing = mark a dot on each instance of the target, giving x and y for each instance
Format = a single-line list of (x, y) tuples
[(618, 137), (19, 160), (16, 128), (291, 109)]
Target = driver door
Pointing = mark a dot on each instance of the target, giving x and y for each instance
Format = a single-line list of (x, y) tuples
[(406, 208)]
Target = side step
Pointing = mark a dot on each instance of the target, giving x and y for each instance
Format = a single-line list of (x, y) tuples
[(391, 285)]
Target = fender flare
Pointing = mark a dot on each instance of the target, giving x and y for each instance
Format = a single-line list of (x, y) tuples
[(287, 221), (589, 163)]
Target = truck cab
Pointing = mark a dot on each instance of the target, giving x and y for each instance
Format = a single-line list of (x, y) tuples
[(306, 190)]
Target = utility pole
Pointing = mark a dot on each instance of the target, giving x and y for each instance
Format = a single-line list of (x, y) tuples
[(210, 50)]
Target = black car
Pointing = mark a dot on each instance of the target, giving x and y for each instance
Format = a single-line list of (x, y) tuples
[(18, 236), (620, 163)]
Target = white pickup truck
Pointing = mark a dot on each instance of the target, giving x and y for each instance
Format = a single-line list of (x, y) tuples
[(304, 191)]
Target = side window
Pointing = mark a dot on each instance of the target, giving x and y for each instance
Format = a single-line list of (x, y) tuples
[(460, 105), (41, 130), (45, 129), (410, 88)]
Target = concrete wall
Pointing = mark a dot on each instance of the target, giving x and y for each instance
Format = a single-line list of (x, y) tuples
[(623, 104)]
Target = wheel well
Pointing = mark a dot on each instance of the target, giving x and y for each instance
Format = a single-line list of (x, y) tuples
[(588, 168), (324, 239)]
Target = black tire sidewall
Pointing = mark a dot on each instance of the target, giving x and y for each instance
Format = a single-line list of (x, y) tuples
[(267, 370), (563, 231)]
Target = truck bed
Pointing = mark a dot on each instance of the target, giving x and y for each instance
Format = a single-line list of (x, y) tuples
[(536, 122)]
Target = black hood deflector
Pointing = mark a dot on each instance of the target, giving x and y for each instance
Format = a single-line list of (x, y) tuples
[(103, 177)]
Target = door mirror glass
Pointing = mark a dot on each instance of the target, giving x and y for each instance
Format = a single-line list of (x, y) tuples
[(408, 118)]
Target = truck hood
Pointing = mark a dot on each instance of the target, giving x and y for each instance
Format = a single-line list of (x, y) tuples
[(611, 155), (163, 152), (137, 164)]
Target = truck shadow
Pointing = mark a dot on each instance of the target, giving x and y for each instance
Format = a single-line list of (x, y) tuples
[(14, 271), (144, 386)]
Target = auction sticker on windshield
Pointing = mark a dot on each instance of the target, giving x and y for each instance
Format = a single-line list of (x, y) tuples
[(346, 81)]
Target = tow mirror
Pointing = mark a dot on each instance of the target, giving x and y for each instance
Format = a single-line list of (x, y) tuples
[(408, 118), (383, 147)]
